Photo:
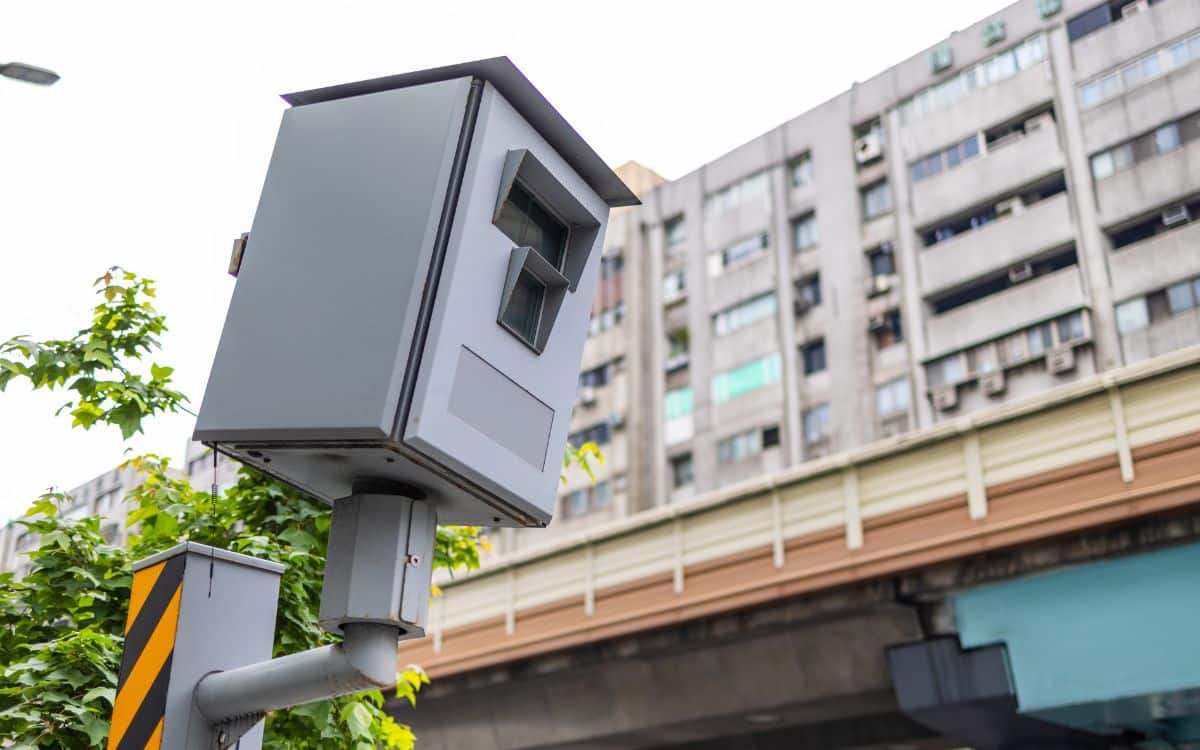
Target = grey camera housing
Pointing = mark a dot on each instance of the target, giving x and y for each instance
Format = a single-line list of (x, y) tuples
[(367, 343)]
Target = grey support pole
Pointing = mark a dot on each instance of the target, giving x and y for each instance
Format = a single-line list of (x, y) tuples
[(376, 593), (365, 660)]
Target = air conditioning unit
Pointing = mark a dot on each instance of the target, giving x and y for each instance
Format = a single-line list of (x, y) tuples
[(676, 362), (587, 395), (1176, 215), (945, 397), (1044, 120), (616, 421), (877, 323), (993, 383), (1010, 207), (1060, 359), (1133, 9), (881, 284), (868, 148), (1020, 272)]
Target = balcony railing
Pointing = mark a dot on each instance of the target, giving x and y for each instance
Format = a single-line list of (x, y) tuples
[(997, 245), (994, 174)]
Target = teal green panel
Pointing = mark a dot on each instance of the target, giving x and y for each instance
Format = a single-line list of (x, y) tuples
[(1102, 632)]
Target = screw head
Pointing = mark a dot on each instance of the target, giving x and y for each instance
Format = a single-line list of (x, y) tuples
[(414, 560)]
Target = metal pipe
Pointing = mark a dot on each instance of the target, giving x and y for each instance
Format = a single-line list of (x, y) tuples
[(365, 660)]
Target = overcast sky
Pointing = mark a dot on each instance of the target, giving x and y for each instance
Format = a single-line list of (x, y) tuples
[(151, 150)]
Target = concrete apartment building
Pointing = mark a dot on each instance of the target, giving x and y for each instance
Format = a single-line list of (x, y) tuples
[(102, 496), (1010, 210)]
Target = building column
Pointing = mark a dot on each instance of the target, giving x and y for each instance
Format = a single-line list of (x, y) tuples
[(1091, 246)]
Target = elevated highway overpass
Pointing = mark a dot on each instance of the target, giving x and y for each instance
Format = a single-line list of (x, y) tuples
[(1027, 576)]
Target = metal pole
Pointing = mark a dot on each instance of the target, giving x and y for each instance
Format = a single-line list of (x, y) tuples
[(365, 660)]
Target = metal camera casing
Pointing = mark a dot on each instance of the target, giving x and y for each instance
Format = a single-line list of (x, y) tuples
[(387, 329)]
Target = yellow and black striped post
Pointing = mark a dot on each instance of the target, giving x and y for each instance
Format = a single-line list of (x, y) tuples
[(137, 720), (193, 609)]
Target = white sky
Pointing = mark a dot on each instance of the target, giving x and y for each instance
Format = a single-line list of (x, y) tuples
[(151, 150)]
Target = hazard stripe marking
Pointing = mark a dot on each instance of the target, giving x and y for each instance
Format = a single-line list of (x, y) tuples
[(146, 662), (143, 582)]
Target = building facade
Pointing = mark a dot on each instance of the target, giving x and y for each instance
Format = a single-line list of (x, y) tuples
[(102, 496), (1010, 210)]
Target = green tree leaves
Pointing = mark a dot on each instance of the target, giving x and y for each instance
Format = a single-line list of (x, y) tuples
[(94, 363)]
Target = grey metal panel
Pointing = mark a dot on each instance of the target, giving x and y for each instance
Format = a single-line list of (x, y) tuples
[(487, 400), (528, 101), (314, 344), (369, 574), (464, 315), (224, 622), (209, 552)]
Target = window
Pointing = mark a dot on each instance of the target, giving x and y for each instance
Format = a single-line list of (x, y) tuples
[(948, 158), (876, 200), (891, 398), (606, 319), (1089, 21), (1132, 315), (746, 444), (1039, 339), (675, 232), (679, 402), (949, 91), (597, 433), (804, 232), (678, 407), (808, 293), (1107, 163), (745, 313), (816, 425), (881, 261), (886, 330), (1070, 328), (746, 378), (801, 170), (682, 471), (611, 265), (1138, 72), (738, 252), (1166, 138), (678, 343), (740, 446), (529, 224), (946, 371), (813, 354), (587, 499), (674, 285), (752, 188), (1180, 297), (595, 377)]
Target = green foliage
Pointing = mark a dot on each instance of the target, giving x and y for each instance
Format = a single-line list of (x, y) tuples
[(61, 627), (60, 634), (94, 363), (581, 456)]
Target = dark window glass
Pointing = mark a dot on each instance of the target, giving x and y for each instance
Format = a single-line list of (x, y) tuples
[(597, 433), (682, 471), (1088, 21), (814, 357), (528, 224), (770, 436), (525, 311), (882, 263)]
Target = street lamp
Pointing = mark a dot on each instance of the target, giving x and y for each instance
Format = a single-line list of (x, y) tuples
[(28, 73)]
